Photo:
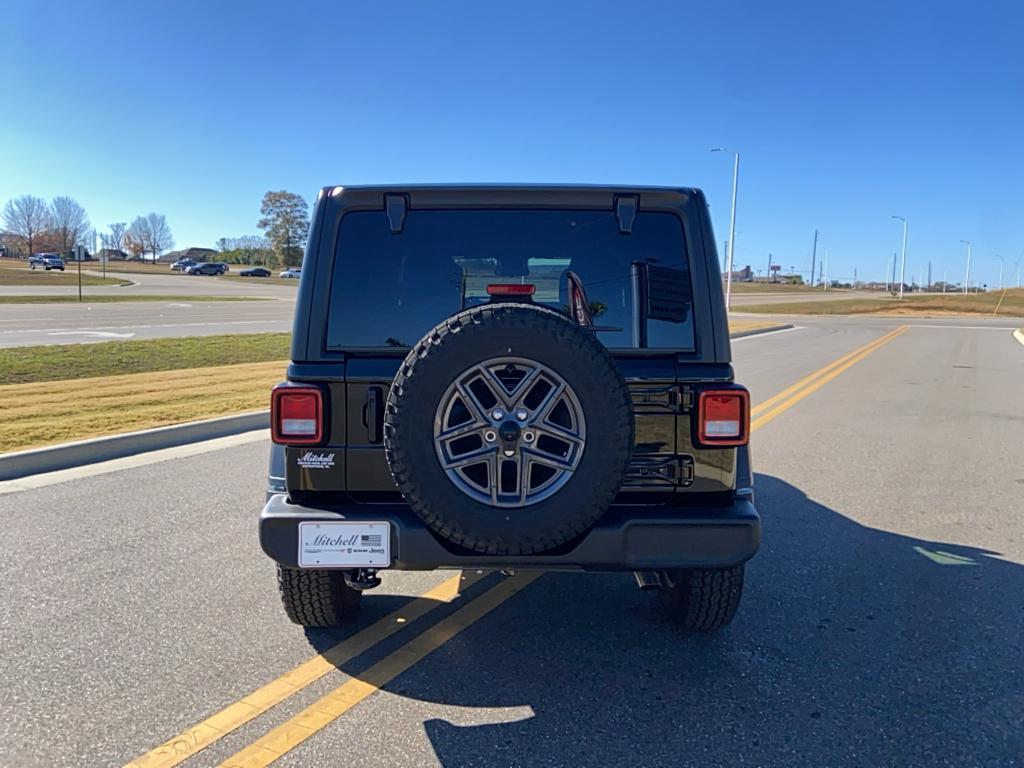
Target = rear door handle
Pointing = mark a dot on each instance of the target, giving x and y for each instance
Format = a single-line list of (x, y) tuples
[(373, 414)]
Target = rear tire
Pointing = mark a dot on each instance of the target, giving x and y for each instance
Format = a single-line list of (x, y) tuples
[(702, 600), (317, 598)]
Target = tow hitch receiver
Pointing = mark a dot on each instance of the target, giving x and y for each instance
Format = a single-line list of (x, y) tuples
[(362, 579)]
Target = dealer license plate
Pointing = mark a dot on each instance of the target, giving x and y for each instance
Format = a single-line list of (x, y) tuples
[(344, 545)]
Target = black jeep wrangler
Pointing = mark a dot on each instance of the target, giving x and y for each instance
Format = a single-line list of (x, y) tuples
[(510, 377)]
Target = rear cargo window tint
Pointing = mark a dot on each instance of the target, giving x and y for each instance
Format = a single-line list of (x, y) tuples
[(387, 290)]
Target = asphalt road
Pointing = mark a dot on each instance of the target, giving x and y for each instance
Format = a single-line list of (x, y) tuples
[(33, 324), (172, 284), (882, 625)]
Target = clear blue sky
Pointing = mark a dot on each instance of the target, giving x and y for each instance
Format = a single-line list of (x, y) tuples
[(844, 113)]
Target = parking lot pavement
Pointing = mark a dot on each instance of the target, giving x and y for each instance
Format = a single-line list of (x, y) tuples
[(881, 624)]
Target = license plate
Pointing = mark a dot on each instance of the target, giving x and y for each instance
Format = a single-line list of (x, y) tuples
[(344, 545)]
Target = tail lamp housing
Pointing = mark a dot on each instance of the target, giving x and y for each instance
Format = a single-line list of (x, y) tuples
[(296, 415), (723, 417)]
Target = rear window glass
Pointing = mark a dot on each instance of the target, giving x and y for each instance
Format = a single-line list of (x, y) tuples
[(388, 290)]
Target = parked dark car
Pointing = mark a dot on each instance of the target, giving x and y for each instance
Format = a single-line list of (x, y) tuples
[(206, 268), (255, 272), (511, 378), (47, 261)]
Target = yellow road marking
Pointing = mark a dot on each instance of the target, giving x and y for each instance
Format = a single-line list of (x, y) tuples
[(329, 708), (821, 381), (200, 736), (824, 370)]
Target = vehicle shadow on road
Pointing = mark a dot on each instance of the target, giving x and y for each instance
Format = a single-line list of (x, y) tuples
[(853, 646)]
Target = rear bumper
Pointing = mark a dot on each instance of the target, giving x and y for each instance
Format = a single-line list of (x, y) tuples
[(627, 538)]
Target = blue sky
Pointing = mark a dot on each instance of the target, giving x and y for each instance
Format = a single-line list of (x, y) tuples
[(844, 113)]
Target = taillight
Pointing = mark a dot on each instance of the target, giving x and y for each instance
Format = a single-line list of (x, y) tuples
[(511, 289), (296, 415), (723, 417)]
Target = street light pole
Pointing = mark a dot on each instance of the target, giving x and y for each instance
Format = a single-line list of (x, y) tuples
[(903, 261), (824, 267), (1001, 264), (967, 276), (732, 227)]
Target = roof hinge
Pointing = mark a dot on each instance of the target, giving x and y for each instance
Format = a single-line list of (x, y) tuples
[(396, 206), (625, 212)]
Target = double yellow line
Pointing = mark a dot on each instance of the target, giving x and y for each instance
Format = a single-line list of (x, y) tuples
[(274, 744), (278, 741), (764, 412)]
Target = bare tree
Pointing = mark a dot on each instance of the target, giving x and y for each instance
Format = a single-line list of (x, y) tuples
[(70, 221), (159, 233), (136, 237), (149, 234), (27, 217), (114, 241)]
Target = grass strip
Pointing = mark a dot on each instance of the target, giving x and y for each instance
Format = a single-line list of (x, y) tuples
[(21, 276), (36, 416), (980, 304), (34, 365)]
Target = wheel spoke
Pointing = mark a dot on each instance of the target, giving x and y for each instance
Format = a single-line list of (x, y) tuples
[(461, 431), (550, 401), (558, 433), (552, 460), (469, 398), (473, 457), (523, 476), (493, 383)]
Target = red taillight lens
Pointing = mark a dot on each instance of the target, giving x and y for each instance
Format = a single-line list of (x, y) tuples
[(723, 417), (296, 415), (511, 289)]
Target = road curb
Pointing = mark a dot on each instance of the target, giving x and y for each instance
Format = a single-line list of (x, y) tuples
[(66, 455), (1019, 335), (758, 331)]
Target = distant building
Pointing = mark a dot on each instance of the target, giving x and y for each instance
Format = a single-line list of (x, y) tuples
[(196, 254), (110, 254), (745, 275)]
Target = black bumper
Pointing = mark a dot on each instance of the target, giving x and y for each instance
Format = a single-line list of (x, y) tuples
[(627, 538)]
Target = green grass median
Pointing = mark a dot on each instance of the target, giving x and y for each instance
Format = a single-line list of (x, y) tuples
[(27, 365), (23, 276)]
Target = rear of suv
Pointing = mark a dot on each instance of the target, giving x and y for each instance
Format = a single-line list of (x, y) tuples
[(510, 378)]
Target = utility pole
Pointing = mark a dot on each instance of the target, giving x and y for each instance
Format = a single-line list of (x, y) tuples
[(814, 254), (903, 261), (967, 275), (929, 274), (769, 267), (824, 268), (887, 263), (855, 278), (732, 226), (894, 274), (1001, 263)]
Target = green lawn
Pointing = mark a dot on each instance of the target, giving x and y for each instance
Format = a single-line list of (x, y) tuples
[(991, 303), (22, 365), (23, 276)]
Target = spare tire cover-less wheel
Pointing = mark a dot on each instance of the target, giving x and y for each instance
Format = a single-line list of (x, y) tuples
[(508, 429)]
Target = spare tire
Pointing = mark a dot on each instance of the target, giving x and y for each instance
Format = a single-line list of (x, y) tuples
[(508, 429)]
